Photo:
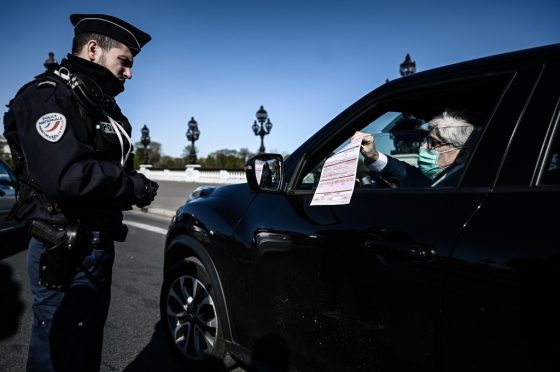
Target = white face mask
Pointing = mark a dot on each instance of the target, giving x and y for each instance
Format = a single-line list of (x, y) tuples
[(428, 161)]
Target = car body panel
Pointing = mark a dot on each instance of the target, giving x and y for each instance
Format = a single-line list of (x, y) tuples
[(401, 279), (214, 233), (329, 267), (392, 298), (500, 308), (189, 236)]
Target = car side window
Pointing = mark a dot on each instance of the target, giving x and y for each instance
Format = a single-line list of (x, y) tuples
[(402, 145), (5, 175), (422, 142)]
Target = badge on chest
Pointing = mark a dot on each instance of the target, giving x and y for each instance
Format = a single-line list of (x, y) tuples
[(107, 128)]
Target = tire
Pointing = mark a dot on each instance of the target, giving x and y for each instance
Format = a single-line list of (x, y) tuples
[(190, 319)]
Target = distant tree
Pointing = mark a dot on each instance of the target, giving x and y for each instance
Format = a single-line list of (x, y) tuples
[(187, 152), (5, 155), (154, 153), (225, 158), (245, 154), (170, 162), (7, 159)]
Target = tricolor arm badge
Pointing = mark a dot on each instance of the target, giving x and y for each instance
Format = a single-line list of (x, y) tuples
[(52, 126)]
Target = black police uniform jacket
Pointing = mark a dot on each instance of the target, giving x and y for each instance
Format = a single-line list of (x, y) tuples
[(84, 181)]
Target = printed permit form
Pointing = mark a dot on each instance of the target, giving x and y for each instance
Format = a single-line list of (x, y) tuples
[(338, 176)]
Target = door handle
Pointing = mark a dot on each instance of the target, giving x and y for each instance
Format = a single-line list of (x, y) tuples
[(402, 252)]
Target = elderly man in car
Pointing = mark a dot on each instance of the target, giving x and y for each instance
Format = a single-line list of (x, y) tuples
[(441, 157)]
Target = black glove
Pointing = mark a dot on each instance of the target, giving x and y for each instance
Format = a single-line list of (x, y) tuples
[(151, 191)]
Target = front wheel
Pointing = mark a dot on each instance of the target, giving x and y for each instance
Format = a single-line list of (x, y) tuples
[(189, 316)]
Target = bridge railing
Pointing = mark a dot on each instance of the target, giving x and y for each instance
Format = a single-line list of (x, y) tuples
[(194, 173)]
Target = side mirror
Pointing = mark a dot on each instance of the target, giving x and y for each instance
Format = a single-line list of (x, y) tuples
[(264, 173)]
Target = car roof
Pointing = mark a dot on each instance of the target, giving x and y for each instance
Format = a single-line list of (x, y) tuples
[(520, 55)]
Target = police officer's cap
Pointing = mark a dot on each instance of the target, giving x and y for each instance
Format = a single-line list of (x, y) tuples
[(113, 27)]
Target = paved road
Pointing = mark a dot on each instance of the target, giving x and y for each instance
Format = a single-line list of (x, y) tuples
[(133, 340)]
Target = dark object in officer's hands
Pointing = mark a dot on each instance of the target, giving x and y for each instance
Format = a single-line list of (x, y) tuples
[(151, 191)]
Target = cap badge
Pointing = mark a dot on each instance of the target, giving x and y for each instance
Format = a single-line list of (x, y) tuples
[(51, 126)]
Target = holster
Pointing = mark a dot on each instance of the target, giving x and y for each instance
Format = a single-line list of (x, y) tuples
[(61, 257)]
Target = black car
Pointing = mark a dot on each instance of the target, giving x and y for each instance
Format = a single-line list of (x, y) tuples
[(462, 277), (7, 199)]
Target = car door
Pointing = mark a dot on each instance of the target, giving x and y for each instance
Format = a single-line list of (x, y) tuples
[(359, 286), (501, 307), (7, 196)]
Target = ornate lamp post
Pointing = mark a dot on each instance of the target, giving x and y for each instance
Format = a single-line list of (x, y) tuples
[(407, 67), (145, 141), (49, 60), (262, 131), (192, 135)]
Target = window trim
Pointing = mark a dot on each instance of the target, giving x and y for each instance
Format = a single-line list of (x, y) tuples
[(553, 134), (371, 110)]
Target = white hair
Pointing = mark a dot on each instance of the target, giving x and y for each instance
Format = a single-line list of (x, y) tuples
[(452, 127)]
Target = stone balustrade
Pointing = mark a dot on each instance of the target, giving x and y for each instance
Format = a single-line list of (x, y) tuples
[(194, 173)]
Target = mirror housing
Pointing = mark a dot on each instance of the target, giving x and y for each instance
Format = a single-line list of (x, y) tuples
[(265, 172)]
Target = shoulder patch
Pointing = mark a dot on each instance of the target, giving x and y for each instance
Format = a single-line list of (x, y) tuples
[(47, 82), (51, 126), (45, 89)]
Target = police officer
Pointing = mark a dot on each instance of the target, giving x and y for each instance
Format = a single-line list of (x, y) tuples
[(72, 153)]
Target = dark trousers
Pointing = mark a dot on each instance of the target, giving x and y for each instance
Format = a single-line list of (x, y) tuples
[(67, 331)]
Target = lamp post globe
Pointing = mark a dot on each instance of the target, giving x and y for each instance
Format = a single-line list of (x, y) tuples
[(145, 141), (192, 135), (262, 115), (408, 67), (261, 130), (49, 61)]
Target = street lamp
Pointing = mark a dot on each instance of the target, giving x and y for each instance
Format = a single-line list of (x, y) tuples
[(192, 135), (407, 67), (50, 60), (145, 141), (260, 131)]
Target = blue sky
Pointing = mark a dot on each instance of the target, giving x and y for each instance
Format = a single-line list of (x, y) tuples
[(304, 61)]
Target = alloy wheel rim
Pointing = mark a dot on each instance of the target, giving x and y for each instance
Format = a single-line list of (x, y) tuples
[(191, 317)]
